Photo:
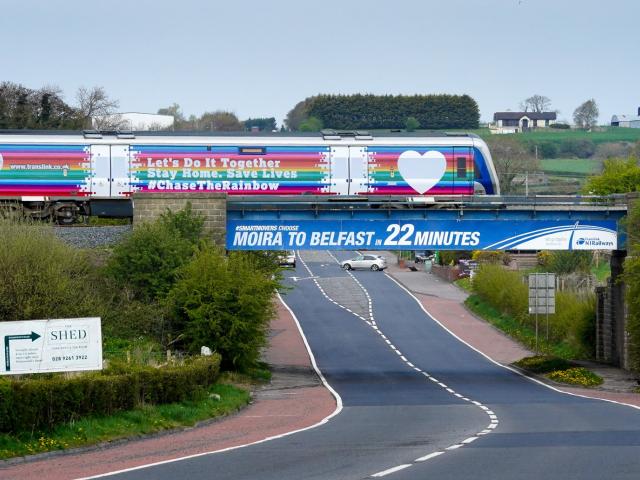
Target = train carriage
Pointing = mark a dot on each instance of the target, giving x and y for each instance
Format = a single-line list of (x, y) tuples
[(65, 176)]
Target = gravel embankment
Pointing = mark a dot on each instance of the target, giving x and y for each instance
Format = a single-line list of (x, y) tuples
[(91, 237)]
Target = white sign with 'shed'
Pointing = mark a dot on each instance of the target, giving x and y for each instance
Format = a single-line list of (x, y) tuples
[(60, 345)]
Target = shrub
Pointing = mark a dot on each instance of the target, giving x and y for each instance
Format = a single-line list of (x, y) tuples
[(614, 150), (561, 126), (581, 148), (563, 262), (503, 289), (632, 280), (573, 324), (492, 256), (548, 150), (187, 224), (452, 257), (411, 124), (224, 303), (543, 364), (41, 403), (149, 258), (41, 277)]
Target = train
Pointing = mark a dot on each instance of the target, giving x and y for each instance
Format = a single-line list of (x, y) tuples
[(65, 176)]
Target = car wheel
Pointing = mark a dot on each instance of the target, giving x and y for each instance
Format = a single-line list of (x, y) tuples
[(375, 267), (346, 266)]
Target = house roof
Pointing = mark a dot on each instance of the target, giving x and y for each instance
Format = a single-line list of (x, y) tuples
[(530, 115)]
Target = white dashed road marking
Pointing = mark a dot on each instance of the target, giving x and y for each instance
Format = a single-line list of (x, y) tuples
[(372, 323)]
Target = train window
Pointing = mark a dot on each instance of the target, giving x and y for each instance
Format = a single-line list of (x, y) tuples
[(461, 167), (252, 150)]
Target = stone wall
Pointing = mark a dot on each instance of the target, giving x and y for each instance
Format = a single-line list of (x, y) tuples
[(213, 206), (611, 316)]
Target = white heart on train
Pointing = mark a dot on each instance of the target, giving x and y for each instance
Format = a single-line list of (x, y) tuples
[(424, 171)]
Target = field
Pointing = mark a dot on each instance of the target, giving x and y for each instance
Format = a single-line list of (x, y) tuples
[(575, 167), (602, 135)]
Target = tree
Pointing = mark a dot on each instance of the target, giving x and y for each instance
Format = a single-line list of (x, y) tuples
[(95, 104), (267, 124), (175, 111), (536, 103), (511, 160), (411, 124), (311, 124), (220, 121), (297, 115), (618, 176), (586, 115)]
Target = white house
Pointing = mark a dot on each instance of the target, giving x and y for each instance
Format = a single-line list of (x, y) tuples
[(514, 122)]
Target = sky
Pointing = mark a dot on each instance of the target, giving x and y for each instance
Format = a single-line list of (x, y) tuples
[(259, 58)]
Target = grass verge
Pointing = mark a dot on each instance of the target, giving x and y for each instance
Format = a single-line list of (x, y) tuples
[(516, 330), (219, 400)]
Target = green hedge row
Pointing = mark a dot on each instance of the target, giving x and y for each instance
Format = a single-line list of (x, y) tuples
[(34, 404), (391, 111)]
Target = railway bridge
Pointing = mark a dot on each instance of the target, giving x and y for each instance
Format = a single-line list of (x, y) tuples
[(423, 223)]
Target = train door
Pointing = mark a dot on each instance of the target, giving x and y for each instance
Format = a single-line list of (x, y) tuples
[(358, 170), (462, 170), (101, 169), (120, 184), (340, 170), (349, 170)]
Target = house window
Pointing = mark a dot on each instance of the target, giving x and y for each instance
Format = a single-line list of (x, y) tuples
[(546, 123), (510, 123), (535, 123), (461, 170)]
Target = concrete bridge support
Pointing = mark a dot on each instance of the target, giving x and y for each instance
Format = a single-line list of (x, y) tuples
[(611, 316)]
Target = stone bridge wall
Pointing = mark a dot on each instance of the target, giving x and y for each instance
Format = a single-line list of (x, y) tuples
[(213, 206)]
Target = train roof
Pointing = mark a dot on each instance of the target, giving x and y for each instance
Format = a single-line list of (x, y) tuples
[(326, 137)]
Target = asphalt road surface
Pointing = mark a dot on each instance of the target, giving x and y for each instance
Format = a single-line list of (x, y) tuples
[(418, 403)]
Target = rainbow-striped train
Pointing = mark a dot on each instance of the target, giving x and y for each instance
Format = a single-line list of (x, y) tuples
[(65, 176)]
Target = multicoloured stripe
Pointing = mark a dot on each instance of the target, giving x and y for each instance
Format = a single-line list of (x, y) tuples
[(44, 170)]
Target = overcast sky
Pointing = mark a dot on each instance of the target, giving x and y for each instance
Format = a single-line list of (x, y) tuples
[(259, 58)]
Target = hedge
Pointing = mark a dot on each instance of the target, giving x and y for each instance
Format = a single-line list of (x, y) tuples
[(392, 111), (35, 404)]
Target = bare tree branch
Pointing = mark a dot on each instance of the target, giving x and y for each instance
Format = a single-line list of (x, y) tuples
[(93, 103)]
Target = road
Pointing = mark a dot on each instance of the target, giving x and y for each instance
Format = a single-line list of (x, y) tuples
[(418, 403)]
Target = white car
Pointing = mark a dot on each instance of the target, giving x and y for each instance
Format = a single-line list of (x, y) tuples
[(371, 262), (288, 258)]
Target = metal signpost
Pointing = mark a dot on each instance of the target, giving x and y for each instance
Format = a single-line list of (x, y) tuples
[(542, 298), (61, 345)]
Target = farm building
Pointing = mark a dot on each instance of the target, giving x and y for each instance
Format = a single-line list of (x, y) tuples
[(627, 121), (514, 122)]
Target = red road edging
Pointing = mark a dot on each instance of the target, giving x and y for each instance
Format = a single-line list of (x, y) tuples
[(271, 416)]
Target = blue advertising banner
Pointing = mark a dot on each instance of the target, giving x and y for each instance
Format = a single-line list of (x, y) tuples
[(420, 234)]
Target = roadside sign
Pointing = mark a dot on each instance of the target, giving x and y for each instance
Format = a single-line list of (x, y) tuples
[(60, 345), (542, 293), (542, 297)]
